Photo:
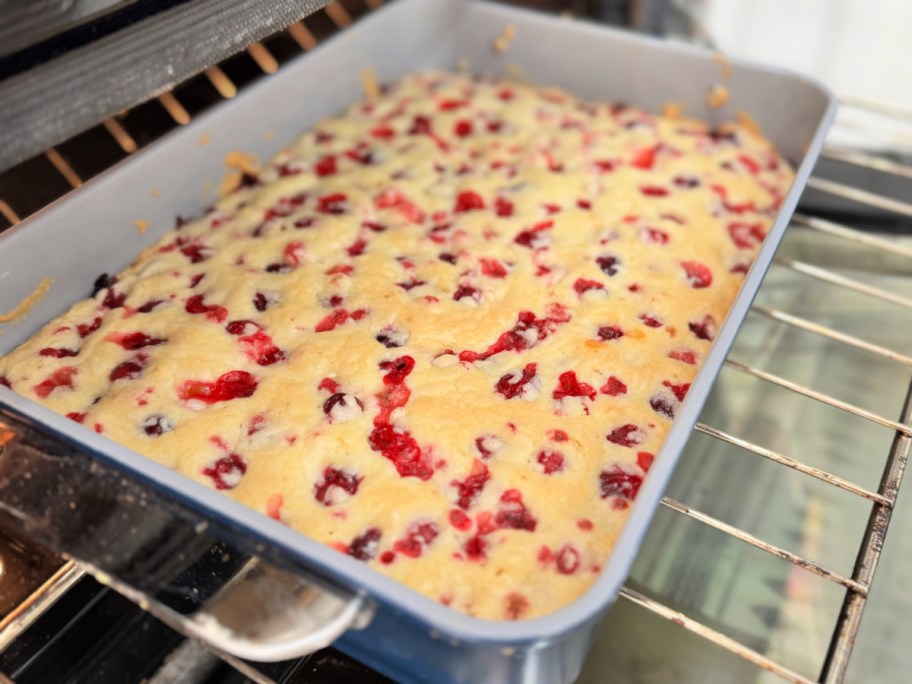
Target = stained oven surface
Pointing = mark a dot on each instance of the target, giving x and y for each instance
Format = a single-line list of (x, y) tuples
[(726, 553)]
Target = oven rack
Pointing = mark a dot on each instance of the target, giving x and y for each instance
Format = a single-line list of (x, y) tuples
[(337, 16)]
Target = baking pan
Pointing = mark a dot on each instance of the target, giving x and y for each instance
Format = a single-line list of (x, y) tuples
[(51, 462)]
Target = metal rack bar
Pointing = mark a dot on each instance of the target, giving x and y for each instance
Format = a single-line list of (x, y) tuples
[(824, 331), (713, 636), (819, 396), (868, 161), (63, 166), (119, 133), (180, 115), (263, 57), (851, 234), (776, 457), (748, 538), (850, 192), (843, 639), (843, 281)]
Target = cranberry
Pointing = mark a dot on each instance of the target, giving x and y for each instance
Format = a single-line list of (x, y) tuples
[(345, 480), (551, 461), (607, 333), (261, 349), (228, 386), (459, 520), (503, 207), (4, 382), (613, 387), (411, 284), (529, 238), (608, 264), (662, 405), (395, 199), (326, 166), (705, 329), (618, 482), (471, 487), (644, 460), (391, 338), (645, 157), (226, 472), (261, 302), (421, 125), (155, 426), (680, 391), (487, 445), (746, 235), (558, 435), (465, 290), (151, 304), (214, 312), (569, 386), (568, 560), (57, 353), (604, 166), (493, 268), (418, 536), (133, 341), (340, 406), (357, 247), (654, 191), (698, 274), (687, 182), (513, 513), (400, 447), (462, 128), (279, 268), (334, 203), (447, 257), (650, 321), (62, 377), (468, 201), (685, 355), (86, 329), (114, 299), (512, 385), (582, 285), (196, 253), (365, 546), (76, 417), (626, 436), (654, 236), (475, 548), (332, 320), (521, 336), (128, 370)]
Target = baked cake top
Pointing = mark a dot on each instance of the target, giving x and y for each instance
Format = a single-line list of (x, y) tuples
[(444, 333)]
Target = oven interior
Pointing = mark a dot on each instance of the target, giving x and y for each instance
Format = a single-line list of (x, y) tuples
[(759, 564)]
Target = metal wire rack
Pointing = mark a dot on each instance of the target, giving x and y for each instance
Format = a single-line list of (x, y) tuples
[(305, 35)]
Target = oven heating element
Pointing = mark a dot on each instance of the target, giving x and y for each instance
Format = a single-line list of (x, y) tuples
[(42, 590)]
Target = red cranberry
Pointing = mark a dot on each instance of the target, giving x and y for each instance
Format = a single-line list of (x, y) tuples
[(128, 370), (326, 166), (582, 285), (705, 329), (471, 487), (151, 304), (551, 461), (698, 274), (400, 447), (465, 290), (513, 513), (86, 329), (618, 482), (135, 340), (58, 353), (569, 386), (468, 201), (613, 387), (680, 391), (607, 333), (512, 386), (608, 264), (662, 405), (228, 386), (345, 480), (226, 472), (364, 547), (568, 560), (155, 426), (503, 207), (62, 377), (627, 436), (650, 321), (419, 536)]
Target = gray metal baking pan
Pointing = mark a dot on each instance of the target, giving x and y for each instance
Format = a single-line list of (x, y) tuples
[(394, 629)]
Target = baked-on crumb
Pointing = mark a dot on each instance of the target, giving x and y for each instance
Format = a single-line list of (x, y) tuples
[(369, 84), (445, 333), (506, 37), (27, 304), (717, 96), (723, 62), (141, 226)]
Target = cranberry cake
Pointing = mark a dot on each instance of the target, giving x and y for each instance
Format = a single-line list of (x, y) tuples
[(444, 333)]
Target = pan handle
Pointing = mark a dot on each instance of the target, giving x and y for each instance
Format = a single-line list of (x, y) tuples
[(209, 581)]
